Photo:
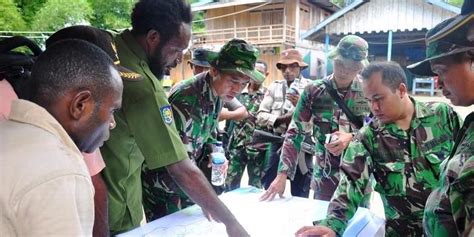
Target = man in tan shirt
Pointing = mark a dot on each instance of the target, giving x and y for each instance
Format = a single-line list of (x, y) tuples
[(46, 187)]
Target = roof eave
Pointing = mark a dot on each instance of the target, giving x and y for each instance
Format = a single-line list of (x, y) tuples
[(309, 34)]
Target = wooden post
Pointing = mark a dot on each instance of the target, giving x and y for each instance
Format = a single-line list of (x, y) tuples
[(297, 21), (326, 51)]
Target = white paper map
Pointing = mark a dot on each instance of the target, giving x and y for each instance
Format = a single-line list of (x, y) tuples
[(281, 217)]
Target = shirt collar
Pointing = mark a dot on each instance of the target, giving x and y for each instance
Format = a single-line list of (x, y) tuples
[(30, 113), (133, 45), (421, 111)]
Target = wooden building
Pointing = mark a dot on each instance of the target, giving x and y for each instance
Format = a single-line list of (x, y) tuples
[(271, 26)]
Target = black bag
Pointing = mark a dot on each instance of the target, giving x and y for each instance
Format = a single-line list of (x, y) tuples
[(15, 66)]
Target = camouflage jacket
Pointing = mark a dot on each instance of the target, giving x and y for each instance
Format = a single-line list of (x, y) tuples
[(274, 103), (450, 207), (405, 165), (317, 113), (241, 131), (195, 109)]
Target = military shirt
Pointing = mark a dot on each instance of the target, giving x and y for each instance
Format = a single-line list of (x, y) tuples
[(404, 163), (196, 109), (241, 132), (145, 131), (450, 207), (275, 104), (317, 113)]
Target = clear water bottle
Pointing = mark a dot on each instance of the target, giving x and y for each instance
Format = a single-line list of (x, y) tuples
[(218, 165)]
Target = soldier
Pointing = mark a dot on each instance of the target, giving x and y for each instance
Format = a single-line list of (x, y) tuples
[(402, 148), (319, 112), (145, 126), (232, 110), (196, 104), (199, 62), (449, 210), (275, 114), (241, 152)]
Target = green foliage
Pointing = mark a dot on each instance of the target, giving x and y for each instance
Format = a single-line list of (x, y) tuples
[(10, 17), (56, 14), (200, 26), (457, 3), (111, 14), (29, 8)]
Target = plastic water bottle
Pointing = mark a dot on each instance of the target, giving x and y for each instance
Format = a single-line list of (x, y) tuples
[(218, 170)]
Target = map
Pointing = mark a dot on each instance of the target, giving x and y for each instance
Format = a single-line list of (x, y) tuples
[(280, 217)]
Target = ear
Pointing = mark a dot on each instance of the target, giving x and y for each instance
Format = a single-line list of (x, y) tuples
[(403, 89), (213, 72), (82, 104), (153, 38)]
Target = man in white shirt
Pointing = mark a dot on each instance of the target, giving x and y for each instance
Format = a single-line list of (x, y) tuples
[(46, 187)]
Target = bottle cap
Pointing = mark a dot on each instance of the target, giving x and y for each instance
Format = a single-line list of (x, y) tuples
[(218, 158)]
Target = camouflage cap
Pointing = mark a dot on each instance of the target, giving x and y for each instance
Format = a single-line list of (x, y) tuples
[(201, 57), (452, 41), (351, 47), (238, 56)]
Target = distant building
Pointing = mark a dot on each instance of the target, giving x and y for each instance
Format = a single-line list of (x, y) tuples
[(272, 26), (395, 29)]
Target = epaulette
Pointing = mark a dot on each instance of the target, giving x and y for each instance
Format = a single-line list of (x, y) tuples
[(131, 76)]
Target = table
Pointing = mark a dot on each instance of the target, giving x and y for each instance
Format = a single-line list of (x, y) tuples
[(280, 217)]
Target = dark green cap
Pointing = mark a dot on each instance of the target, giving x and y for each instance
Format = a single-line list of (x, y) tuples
[(238, 56), (201, 57), (455, 40)]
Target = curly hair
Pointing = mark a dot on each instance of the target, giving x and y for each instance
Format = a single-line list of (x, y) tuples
[(164, 16)]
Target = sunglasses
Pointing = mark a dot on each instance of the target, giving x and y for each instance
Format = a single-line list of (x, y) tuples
[(352, 53)]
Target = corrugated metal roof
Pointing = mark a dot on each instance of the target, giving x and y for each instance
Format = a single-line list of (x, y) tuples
[(381, 16)]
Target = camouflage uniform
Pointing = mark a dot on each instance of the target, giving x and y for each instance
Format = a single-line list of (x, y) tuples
[(317, 111), (195, 109), (241, 153), (405, 165), (450, 207)]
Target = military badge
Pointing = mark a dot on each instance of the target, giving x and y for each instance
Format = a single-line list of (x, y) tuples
[(167, 114)]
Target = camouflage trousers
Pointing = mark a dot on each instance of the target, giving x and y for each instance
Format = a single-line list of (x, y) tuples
[(162, 196), (241, 157), (325, 176)]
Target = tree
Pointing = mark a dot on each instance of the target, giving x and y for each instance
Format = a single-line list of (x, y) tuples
[(10, 17), (29, 8), (111, 14), (199, 26), (57, 14), (457, 3)]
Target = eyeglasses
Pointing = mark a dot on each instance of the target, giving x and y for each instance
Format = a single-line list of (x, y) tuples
[(352, 53)]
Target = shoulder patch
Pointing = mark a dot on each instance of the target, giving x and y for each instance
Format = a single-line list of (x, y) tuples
[(131, 76), (167, 114)]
